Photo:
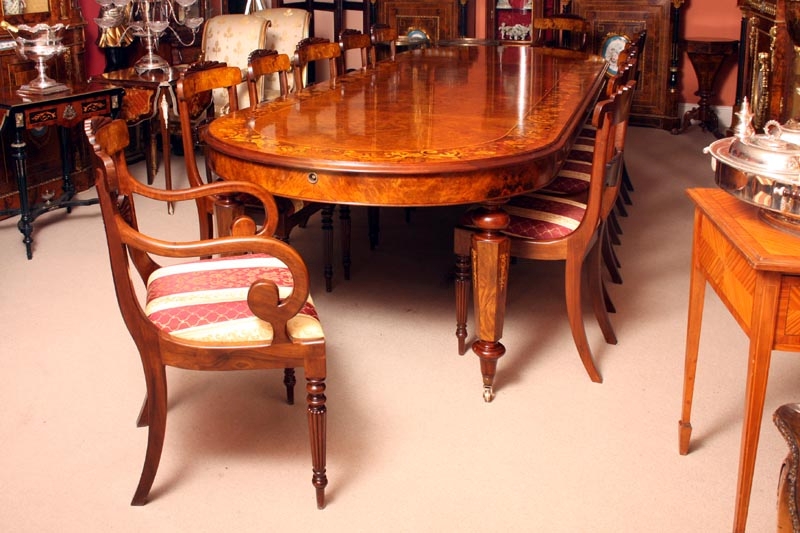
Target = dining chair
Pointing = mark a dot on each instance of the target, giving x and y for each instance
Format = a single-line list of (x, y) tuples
[(556, 227), (383, 36), (260, 64), (563, 34), (307, 52), (193, 91), (239, 302), (350, 39)]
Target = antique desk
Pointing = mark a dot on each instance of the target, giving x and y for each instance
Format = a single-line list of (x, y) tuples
[(755, 271), (148, 98), (64, 110), (439, 126)]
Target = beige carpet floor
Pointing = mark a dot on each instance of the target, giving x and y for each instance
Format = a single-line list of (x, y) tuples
[(411, 445)]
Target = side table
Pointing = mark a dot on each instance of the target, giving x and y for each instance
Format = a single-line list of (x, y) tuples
[(65, 110), (755, 270), (707, 56), (148, 98)]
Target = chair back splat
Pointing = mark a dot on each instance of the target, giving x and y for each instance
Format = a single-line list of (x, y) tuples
[(383, 36), (315, 49), (232, 303)]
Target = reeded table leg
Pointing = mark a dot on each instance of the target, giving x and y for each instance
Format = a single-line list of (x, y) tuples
[(490, 260)]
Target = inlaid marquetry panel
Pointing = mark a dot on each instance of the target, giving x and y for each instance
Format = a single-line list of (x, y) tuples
[(788, 328), (727, 272)]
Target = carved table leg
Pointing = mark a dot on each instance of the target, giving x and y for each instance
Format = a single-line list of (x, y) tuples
[(25, 224), (165, 149), (490, 259)]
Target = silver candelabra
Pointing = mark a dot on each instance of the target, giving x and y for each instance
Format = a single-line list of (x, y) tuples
[(148, 20)]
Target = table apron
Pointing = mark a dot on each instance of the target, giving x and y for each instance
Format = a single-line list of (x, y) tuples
[(400, 190)]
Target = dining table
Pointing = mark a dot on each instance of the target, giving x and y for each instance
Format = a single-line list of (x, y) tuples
[(438, 126)]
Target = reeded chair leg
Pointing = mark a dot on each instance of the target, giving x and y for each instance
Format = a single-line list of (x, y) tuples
[(157, 423), (317, 415), (463, 273), (572, 288), (289, 381)]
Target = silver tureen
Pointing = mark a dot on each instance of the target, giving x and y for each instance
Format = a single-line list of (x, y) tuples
[(762, 169)]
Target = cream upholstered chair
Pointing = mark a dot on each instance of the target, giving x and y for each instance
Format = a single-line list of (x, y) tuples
[(233, 303), (229, 39), (288, 26)]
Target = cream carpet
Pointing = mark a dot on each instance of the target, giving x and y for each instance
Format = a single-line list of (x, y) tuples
[(411, 444)]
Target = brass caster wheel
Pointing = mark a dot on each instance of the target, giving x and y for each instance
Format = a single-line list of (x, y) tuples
[(488, 393), (170, 208)]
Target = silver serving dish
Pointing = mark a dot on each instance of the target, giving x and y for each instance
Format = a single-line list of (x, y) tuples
[(40, 43), (762, 169)]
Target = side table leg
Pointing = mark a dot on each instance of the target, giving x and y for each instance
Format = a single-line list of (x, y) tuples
[(762, 332), (491, 252), (25, 224), (165, 149), (697, 291)]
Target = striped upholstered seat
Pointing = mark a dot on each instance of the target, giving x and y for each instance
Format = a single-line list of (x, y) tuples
[(206, 301), (542, 216)]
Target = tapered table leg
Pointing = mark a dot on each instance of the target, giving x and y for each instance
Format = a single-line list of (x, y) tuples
[(490, 260)]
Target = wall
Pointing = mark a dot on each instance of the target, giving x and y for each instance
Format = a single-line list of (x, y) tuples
[(701, 18)]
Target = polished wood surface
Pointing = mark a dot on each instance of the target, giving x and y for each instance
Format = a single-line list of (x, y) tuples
[(438, 126), (755, 270)]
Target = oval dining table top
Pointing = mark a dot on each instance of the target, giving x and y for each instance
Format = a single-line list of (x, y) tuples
[(438, 126)]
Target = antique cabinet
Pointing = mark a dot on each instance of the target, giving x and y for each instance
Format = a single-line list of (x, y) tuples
[(510, 20), (44, 168), (437, 19), (656, 100), (768, 61)]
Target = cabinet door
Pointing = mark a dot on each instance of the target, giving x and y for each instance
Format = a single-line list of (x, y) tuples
[(656, 101)]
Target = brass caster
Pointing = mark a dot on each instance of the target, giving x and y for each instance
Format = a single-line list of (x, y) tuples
[(488, 393), (170, 208)]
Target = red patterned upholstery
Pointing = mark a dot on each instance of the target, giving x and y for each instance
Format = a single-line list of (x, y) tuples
[(207, 300), (542, 216), (573, 178)]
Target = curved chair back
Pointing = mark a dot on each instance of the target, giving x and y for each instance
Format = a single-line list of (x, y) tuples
[(315, 49), (383, 36), (262, 63), (350, 39)]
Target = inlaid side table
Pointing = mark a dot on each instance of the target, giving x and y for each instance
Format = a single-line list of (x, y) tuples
[(755, 270), (65, 110), (707, 56)]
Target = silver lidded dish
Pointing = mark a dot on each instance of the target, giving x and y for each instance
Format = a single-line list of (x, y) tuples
[(762, 169)]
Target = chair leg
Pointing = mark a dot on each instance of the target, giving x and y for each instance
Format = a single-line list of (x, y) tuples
[(610, 258), (620, 205), (374, 223), (289, 381), (463, 273), (614, 229), (317, 414), (572, 289), (592, 267), (344, 220), (327, 245), (610, 307), (157, 424), (627, 184)]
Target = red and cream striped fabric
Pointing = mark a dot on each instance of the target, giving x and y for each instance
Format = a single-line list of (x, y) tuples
[(542, 216), (573, 178), (206, 301)]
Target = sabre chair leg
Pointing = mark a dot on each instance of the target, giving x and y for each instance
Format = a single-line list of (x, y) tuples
[(289, 382), (572, 291), (157, 424)]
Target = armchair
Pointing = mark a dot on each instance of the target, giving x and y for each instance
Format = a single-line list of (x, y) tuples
[(233, 303)]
